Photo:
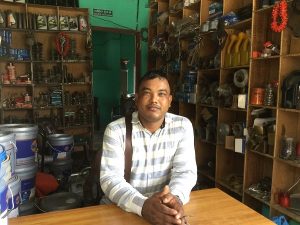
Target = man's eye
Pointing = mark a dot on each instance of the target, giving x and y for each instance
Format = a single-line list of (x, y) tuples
[(162, 94)]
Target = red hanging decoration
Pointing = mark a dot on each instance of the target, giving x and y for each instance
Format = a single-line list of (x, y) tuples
[(279, 16), (62, 44)]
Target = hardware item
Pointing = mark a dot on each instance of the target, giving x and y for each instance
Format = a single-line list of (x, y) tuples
[(257, 96), (41, 22), (291, 90), (73, 23), (52, 22), (64, 23), (240, 78), (288, 148), (83, 25), (269, 98)]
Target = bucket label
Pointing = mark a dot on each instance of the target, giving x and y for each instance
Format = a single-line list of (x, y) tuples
[(26, 150), (62, 151), (3, 200), (13, 202), (27, 189)]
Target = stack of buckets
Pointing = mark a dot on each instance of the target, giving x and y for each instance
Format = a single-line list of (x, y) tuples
[(61, 146), (18, 167)]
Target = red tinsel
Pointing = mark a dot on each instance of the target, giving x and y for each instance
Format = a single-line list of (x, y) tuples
[(279, 16), (62, 43)]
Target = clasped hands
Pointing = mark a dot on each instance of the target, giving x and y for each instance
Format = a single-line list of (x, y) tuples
[(163, 208)]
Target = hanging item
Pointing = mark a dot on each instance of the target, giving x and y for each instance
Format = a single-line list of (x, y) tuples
[(62, 44), (279, 16)]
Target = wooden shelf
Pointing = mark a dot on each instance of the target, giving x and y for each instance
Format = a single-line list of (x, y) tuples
[(240, 25), (257, 198), (222, 183)]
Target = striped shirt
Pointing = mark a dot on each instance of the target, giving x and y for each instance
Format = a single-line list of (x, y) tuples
[(165, 157)]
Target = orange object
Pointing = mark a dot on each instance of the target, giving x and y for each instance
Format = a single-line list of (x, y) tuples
[(257, 96), (45, 184)]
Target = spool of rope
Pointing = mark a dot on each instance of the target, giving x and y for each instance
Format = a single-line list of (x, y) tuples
[(240, 78)]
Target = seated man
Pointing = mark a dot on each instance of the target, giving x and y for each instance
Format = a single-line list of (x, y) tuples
[(163, 170)]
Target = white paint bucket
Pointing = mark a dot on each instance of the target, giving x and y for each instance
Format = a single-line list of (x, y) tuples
[(26, 135), (14, 196), (61, 145), (3, 199), (27, 174), (8, 144)]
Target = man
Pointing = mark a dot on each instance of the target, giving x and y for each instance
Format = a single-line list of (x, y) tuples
[(163, 154)]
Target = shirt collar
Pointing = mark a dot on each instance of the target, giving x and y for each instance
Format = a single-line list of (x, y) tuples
[(135, 119)]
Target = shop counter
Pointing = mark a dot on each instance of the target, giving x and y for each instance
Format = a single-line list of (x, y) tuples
[(206, 207)]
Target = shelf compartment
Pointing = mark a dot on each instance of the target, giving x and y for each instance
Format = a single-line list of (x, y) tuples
[(257, 198), (222, 185), (262, 31), (287, 212), (263, 167), (241, 25), (228, 164), (257, 204)]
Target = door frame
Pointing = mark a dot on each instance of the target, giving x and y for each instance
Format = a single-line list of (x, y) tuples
[(137, 39)]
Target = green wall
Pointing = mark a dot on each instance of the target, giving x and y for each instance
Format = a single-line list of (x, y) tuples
[(109, 48)]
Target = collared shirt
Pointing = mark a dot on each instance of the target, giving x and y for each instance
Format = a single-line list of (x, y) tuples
[(165, 157)]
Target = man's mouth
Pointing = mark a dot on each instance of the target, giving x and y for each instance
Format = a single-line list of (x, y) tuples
[(153, 107)]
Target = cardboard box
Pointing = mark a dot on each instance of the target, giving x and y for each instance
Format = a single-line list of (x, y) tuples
[(239, 145), (229, 142), (242, 101)]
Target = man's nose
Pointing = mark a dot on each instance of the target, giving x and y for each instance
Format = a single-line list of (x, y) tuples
[(154, 98)]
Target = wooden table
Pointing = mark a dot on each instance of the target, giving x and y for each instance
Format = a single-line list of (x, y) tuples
[(206, 207)]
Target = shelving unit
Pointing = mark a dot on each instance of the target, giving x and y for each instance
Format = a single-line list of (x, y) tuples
[(58, 86), (220, 165)]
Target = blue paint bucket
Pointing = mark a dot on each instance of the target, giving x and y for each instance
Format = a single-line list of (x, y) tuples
[(27, 174), (61, 145), (8, 145), (14, 196), (26, 135)]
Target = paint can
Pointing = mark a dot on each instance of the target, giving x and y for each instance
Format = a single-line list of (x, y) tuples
[(8, 145), (27, 174), (61, 145), (26, 135), (5, 170), (14, 196), (3, 201)]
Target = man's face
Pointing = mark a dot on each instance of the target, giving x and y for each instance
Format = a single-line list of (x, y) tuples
[(153, 100)]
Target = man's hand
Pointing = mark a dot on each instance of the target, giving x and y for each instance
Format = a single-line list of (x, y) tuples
[(158, 213), (163, 208), (173, 202)]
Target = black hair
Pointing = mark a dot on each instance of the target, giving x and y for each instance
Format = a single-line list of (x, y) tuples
[(152, 74)]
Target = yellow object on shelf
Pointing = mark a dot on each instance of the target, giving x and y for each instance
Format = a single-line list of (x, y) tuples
[(245, 50), (228, 53), (236, 55)]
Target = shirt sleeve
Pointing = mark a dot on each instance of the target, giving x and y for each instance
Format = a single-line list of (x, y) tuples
[(112, 179), (184, 171)]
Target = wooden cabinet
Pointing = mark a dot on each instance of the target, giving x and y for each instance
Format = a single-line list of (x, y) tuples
[(46, 67), (227, 155)]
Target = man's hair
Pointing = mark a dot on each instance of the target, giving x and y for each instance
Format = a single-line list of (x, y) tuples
[(151, 75)]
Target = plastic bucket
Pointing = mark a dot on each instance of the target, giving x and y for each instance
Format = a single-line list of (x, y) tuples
[(14, 196), (26, 135), (27, 174), (8, 145), (3, 198), (5, 169), (61, 145)]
